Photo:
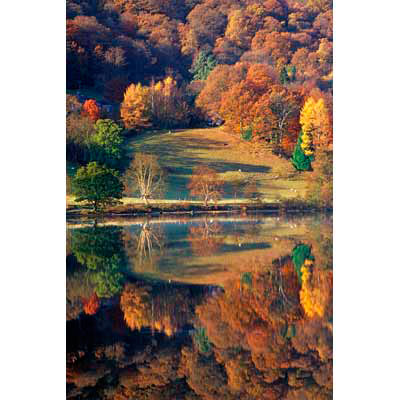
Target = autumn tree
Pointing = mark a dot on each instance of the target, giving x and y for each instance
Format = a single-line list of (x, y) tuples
[(97, 185), (221, 78), (314, 120), (91, 109), (236, 104), (79, 131), (276, 112), (135, 108), (168, 107), (73, 105), (205, 184), (145, 175)]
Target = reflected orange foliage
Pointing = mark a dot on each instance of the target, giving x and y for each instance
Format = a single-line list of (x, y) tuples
[(91, 306), (203, 238), (164, 311)]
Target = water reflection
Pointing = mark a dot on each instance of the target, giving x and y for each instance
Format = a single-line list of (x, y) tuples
[(205, 237), (265, 332), (144, 246)]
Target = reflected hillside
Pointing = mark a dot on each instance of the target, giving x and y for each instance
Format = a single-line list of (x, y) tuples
[(267, 334)]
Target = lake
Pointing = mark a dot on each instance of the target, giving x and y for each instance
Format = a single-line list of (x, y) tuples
[(227, 307)]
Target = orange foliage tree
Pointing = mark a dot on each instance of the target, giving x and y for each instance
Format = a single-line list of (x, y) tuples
[(135, 108), (91, 109)]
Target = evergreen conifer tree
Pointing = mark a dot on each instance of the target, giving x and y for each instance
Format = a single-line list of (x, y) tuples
[(203, 65), (300, 161), (283, 76)]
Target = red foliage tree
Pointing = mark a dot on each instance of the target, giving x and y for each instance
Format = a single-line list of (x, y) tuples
[(91, 109)]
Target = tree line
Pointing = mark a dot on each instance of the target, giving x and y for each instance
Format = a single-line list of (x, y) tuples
[(263, 68)]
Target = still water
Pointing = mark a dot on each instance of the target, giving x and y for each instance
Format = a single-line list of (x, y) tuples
[(200, 308)]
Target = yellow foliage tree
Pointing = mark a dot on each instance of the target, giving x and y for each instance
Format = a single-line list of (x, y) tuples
[(314, 120), (167, 105), (135, 108)]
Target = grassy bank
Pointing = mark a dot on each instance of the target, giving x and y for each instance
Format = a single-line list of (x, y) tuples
[(279, 186), (235, 160)]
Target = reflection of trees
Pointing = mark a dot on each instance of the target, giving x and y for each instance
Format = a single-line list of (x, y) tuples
[(204, 238), (315, 282), (145, 248), (164, 309), (265, 338), (253, 340), (104, 362), (100, 250), (91, 305)]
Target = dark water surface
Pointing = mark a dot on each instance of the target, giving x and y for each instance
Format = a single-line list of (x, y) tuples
[(200, 308)]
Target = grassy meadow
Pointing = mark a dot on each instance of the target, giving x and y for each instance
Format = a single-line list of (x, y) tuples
[(182, 150)]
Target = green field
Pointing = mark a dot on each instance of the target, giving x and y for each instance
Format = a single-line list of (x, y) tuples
[(181, 150)]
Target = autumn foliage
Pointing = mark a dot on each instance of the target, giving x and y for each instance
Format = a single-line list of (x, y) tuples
[(135, 111), (205, 184), (91, 305), (91, 109), (161, 104)]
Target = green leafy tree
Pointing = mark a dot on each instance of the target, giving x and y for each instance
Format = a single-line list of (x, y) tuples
[(203, 65), (107, 141), (98, 185), (300, 161)]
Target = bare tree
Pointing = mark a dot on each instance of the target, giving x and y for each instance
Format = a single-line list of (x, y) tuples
[(205, 184), (145, 176)]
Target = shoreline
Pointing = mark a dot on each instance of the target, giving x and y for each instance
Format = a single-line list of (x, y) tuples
[(130, 211)]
